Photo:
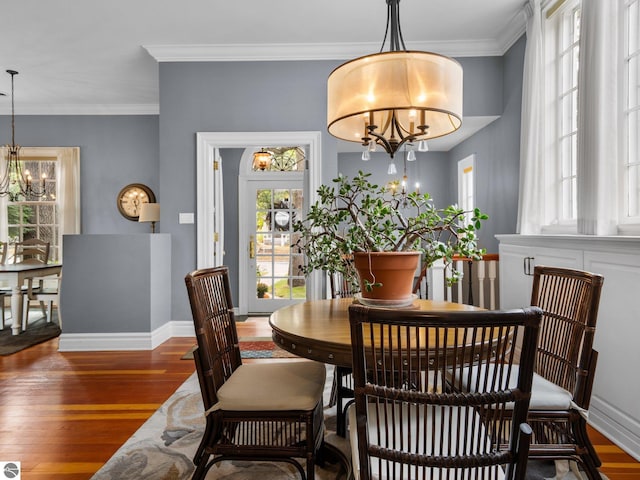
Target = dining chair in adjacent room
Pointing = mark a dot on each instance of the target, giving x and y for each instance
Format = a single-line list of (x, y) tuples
[(410, 420), (342, 388), (43, 290), (32, 250), (254, 411), (565, 365)]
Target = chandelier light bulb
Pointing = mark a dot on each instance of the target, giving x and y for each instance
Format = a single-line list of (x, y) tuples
[(392, 169), (411, 156), (365, 155), (423, 146)]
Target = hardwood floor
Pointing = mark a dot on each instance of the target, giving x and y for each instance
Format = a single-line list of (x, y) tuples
[(64, 414)]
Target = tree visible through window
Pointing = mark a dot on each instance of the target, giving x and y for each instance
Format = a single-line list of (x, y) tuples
[(36, 217)]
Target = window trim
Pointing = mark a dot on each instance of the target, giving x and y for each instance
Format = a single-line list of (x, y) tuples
[(67, 189)]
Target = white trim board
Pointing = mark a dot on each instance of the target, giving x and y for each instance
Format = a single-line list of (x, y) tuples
[(94, 342)]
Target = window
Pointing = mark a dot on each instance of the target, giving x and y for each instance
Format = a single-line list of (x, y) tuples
[(631, 108), (51, 216), (466, 196), (562, 30), (562, 36), (36, 217)]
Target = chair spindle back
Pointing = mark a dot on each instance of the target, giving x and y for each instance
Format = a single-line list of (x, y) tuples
[(218, 352)]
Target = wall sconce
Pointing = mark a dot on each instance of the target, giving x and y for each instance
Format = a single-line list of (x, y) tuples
[(150, 212)]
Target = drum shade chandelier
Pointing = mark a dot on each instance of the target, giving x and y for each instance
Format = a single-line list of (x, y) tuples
[(396, 97), (14, 179)]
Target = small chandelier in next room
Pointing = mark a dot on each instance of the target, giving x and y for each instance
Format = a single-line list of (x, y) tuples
[(396, 97), (15, 180)]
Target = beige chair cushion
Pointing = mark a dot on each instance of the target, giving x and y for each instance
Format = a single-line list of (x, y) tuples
[(401, 427), (545, 395), (273, 386)]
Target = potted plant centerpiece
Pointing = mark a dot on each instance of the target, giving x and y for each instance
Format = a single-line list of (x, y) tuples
[(356, 224)]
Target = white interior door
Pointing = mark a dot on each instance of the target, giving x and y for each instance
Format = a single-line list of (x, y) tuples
[(274, 278)]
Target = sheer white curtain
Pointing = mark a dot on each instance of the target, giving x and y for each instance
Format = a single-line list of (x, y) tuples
[(69, 191), (598, 123), (530, 200)]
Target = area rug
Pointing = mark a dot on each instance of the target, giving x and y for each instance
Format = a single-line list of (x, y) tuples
[(254, 347), (163, 447), (38, 331)]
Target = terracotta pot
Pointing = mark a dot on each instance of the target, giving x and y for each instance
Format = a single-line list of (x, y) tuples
[(395, 270)]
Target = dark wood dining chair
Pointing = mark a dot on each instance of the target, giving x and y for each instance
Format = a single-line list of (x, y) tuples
[(342, 388), (410, 419), (565, 365), (255, 411)]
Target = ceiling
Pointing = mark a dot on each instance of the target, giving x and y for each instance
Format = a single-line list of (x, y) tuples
[(82, 57)]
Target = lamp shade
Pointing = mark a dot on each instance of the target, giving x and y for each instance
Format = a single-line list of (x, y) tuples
[(419, 93), (149, 212)]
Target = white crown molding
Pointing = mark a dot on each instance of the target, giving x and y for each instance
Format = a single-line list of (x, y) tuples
[(316, 51), (89, 109), (515, 29)]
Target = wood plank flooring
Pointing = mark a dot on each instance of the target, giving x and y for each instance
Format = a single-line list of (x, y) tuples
[(63, 415)]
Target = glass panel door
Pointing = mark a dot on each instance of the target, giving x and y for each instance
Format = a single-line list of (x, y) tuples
[(275, 276)]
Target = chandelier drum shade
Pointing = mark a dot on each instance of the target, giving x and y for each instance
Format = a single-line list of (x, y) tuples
[(395, 97)]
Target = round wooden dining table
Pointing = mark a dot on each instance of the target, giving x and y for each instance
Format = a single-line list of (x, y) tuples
[(320, 330)]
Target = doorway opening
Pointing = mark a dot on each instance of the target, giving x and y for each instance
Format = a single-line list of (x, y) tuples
[(210, 211)]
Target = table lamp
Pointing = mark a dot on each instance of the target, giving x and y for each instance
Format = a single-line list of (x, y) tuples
[(150, 212)]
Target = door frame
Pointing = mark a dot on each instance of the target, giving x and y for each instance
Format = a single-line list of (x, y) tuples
[(207, 143)]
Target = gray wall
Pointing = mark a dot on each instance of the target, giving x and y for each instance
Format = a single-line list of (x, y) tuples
[(160, 151), (431, 169), (122, 288), (228, 97), (114, 151), (497, 149), (230, 171)]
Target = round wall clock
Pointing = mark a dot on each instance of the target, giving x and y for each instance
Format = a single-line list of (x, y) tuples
[(131, 197)]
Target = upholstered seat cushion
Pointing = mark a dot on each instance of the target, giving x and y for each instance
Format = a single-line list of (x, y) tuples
[(545, 395), (273, 386)]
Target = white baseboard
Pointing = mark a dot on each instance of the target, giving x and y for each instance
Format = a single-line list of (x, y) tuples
[(91, 342), (616, 426)]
